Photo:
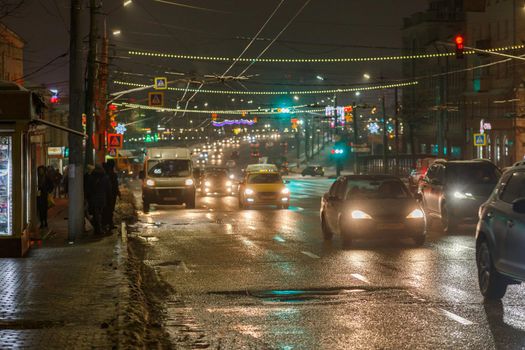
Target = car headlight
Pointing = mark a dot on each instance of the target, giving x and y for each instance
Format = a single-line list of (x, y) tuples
[(232, 177), (150, 182), (416, 214), (359, 215), (462, 195), (228, 183), (188, 182), (207, 184), (285, 191), (249, 191)]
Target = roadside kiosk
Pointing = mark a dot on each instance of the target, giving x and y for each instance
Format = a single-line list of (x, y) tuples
[(19, 108)]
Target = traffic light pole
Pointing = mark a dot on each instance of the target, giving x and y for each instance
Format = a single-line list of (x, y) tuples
[(385, 137), (90, 83)]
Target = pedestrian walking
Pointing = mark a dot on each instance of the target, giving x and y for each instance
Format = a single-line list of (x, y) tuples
[(97, 189), (107, 219), (44, 188)]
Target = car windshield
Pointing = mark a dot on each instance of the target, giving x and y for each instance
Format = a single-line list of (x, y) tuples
[(170, 168), (376, 189), (473, 174), (216, 173), (264, 179)]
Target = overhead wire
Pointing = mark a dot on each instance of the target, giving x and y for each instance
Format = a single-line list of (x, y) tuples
[(276, 37)]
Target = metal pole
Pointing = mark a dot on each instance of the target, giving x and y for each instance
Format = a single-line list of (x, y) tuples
[(76, 169), (385, 137), (356, 137), (90, 84), (396, 130)]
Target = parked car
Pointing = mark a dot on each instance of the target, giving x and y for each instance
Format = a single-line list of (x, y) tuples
[(500, 236), (453, 191), (313, 170), (371, 206)]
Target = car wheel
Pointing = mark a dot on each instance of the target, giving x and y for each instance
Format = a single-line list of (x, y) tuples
[(491, 283), (420, 240), (190, 204), (327, 233), (448, 222), (145, 206)]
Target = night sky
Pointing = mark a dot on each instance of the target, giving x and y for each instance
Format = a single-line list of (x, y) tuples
[(325, 28)]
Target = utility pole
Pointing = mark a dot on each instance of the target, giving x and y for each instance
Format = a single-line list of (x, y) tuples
[(356, 136), (75, 169), (385, 137), (90, 84), (396, 130), (102, 97)]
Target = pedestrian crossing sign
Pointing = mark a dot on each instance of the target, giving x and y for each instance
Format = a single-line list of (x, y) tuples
[(115, 140), (113, 152), (161, 83), (156, 99), (480, 140)]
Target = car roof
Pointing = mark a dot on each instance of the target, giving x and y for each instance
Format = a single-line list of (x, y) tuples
[(463, 162), (264, 172), (372, 177)]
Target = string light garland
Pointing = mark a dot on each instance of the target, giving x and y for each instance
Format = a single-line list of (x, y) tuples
[(314, 60), (292, 92), (267, 111)]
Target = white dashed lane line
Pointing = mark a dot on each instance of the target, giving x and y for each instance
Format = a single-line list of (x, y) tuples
[(311, 255), (360, 277), (452, 316)]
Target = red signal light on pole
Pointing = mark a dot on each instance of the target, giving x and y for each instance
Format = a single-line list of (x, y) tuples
[(460, 45)]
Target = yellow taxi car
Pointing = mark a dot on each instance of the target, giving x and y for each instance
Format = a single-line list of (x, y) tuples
[(263, 188)]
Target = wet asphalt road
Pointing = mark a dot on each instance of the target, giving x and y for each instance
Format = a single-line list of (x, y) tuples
[(264, 278)]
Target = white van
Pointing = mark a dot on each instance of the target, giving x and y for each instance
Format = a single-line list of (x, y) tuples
[(167, 177)]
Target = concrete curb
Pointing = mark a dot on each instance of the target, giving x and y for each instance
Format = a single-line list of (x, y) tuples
[(124, 294)]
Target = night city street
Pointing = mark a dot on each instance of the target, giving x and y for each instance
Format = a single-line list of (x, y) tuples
[(249, 174)]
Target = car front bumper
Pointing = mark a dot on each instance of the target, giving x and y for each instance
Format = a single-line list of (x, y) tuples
[(176, 195), (375, 228)]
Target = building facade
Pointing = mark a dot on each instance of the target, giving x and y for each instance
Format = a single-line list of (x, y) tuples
[(494, 94), (432, 109), (11, 55)]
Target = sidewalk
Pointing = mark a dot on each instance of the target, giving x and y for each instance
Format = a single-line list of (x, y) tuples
[(62, 296)]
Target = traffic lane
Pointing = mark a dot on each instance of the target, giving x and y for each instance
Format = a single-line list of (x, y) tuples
[(442, 272)]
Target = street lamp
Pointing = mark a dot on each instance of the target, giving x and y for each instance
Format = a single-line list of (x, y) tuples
[(319, 77), (127, 3), (117, 32), (366, 76), (296, 98), (358, 93)]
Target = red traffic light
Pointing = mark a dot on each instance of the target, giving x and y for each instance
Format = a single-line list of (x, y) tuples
[(112, 107), (460, 45)]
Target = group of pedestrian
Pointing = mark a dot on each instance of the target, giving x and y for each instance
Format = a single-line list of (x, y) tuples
[(101, 190), (45, 187)]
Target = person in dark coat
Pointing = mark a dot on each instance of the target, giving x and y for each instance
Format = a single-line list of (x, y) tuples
[(44, 188), (107, 218), (97, 188)]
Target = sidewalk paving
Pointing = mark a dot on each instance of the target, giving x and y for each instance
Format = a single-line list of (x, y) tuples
[(62, 296)]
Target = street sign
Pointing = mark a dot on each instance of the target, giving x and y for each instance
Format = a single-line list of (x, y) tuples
[(361, 149), (115, 140), (112, 152), (480, 140), (156, 99), (161, 83)]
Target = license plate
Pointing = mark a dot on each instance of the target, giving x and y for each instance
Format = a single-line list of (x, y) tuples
[(395, 226), (171, 198)]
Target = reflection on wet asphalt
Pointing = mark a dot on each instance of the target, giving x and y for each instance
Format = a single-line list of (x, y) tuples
[(264, 278)]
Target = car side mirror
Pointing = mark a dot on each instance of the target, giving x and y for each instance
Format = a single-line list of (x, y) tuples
[(519, 206), (141, 175)]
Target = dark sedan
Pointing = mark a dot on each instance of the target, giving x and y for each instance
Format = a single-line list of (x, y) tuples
[(216, 181), (366, 207)]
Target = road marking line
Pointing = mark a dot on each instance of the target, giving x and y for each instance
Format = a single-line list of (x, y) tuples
[(279, 239), (311, 255), (465, 247), (453, 316), (360, 277)]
